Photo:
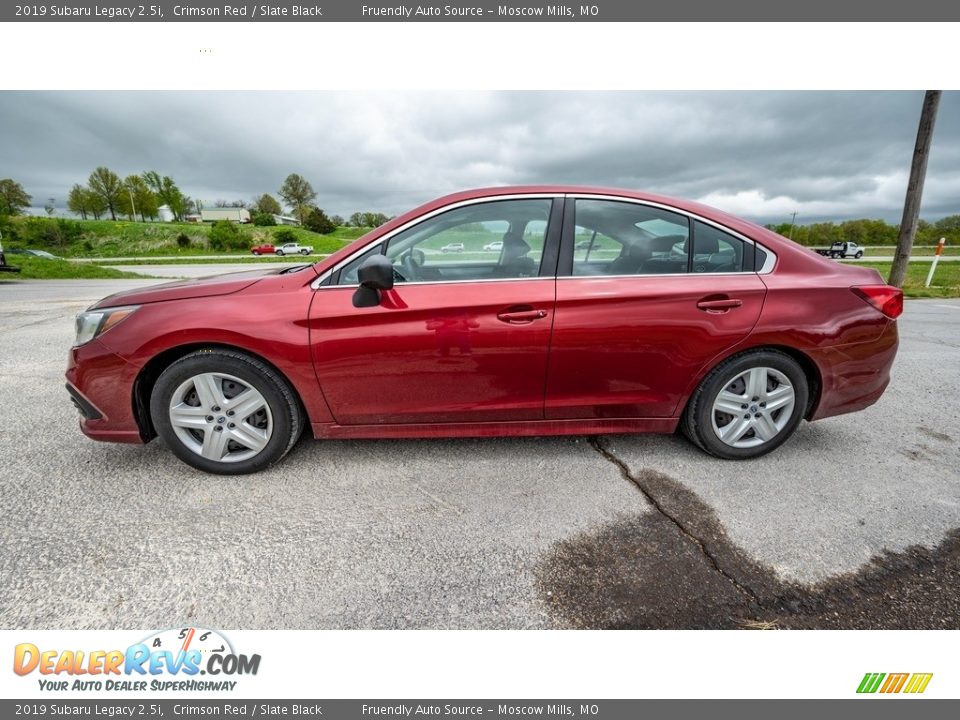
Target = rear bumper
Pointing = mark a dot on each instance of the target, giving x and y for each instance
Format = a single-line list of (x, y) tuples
[(100, 384), (855, 376)]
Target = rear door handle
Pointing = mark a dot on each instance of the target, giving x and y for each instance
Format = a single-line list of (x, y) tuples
[(520, 314), (720, 305)]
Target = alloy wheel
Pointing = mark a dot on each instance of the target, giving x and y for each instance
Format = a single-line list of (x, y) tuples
[(753, 407)]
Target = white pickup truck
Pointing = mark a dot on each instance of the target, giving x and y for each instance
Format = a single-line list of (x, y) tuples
[(842, 250), (294, 249)]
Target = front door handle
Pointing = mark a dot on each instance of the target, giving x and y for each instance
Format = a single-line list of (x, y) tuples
[(520, 314), (719, 305)]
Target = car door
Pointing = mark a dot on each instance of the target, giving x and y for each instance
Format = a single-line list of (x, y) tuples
[(461, 337), (631, 332)]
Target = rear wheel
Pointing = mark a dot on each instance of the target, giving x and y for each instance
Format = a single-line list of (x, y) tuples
[(304, 252), (224, 412), (748, 405)]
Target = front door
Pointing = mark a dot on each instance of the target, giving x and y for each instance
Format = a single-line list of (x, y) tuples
[(462, 337)]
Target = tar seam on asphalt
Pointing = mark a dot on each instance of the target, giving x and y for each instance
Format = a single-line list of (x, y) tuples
[(608, 454)]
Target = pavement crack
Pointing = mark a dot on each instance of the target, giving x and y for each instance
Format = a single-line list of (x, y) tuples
[(689, 535)]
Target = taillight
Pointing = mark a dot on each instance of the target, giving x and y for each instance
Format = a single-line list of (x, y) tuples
[(885, 298)]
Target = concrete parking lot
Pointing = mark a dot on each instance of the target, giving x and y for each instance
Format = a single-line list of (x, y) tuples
[(619, 531)]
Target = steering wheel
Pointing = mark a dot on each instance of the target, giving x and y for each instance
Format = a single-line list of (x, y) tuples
[(411, 262)]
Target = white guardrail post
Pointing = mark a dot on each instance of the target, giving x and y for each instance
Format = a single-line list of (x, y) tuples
[(936, 259)]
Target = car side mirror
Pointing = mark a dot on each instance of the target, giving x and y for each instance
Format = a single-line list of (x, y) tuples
[(375, 274)]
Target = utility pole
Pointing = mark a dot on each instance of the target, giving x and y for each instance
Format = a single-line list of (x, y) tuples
[(793, 219), (132, 204), (918, 172)]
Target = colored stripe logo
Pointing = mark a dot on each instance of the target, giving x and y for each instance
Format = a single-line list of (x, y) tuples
[(913, 683)]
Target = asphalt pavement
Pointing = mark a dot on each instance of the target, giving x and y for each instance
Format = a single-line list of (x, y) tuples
[(619, 531)]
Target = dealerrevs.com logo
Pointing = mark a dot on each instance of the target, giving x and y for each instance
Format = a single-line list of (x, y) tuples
[(892, 683), (179, 659)]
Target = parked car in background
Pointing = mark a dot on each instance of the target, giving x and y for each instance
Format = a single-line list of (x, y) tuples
[(452, 248), (495, 246), (293, 249), (265, 249), (701, 322), (842, 250), (34, 253)]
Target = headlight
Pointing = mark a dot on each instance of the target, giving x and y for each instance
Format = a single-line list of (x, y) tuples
[(93, 323)]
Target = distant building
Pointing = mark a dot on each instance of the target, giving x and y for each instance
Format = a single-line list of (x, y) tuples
[(285, 220), (237, 215), (165, 213)]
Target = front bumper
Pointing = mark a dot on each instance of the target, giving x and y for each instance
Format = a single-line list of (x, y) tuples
[(101, 383)]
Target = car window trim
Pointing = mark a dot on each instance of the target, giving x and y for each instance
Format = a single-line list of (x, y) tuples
[(566, 249), (380, 241)]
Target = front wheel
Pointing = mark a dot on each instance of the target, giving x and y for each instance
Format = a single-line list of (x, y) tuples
[(859, 254), (279, 253), (748, 405), (225, 412)]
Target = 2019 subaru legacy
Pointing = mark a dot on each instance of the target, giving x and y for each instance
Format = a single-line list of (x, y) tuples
[(571, 311)]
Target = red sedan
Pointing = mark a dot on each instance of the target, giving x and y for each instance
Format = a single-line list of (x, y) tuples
[(569, 311)]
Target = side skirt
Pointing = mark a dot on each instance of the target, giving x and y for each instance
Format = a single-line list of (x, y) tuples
[(592, 426)]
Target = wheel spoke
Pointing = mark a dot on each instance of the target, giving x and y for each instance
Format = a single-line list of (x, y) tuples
[(245, 404), (765, 428), (732, 432), (756, 382), (779, 397), (730, 403), (249, 436), (208, 390), (214, 444), (189, 416)]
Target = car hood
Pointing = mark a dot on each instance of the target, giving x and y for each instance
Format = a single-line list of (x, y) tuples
[(193, 288)]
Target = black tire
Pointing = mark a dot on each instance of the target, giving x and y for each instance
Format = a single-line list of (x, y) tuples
[(278, 253), (256, 252), (859, 254), (288, 419), (304, 252), (697, 419)]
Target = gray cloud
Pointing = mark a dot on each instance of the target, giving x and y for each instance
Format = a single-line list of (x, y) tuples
[(763, 155)]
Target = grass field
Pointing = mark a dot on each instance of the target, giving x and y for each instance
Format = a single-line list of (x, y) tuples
[(32, 268), (106, 238), (946, 280)]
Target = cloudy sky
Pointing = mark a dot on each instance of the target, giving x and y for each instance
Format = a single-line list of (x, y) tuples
[(762, 155)]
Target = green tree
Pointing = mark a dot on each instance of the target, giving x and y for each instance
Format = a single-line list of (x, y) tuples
[(318, 221), (357, 220), (106, 184), (13, 198), (337, 221), (267, 205), (298, 194), (167, 193), (78, 200), (264, 220), (138, 198)]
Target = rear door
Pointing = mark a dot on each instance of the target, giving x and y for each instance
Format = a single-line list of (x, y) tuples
[(633, 326), (462, 337)]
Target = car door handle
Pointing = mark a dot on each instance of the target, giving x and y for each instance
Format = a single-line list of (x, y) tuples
[(719, 305), (521, 314)]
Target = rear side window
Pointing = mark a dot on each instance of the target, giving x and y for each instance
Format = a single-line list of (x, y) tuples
[(715, 251), (621, 238)]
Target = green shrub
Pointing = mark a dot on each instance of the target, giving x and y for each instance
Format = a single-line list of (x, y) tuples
[(50, 232), (284, 236), (264, 220), (183, 240), (225, 235)]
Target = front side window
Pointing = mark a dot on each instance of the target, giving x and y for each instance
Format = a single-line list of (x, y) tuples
[(501, 239), (621, 238)]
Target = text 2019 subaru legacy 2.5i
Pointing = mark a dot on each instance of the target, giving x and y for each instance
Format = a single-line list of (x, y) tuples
[(590, 311)]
